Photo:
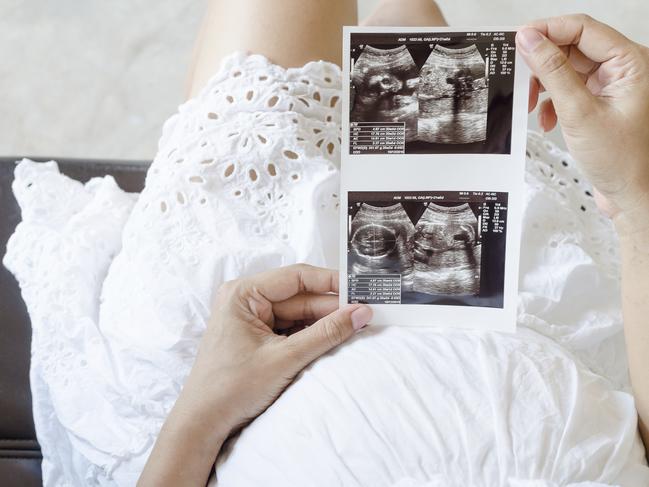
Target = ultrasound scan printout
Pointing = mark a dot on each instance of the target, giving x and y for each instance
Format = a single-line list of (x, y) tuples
[(426, 247), (434, 131), (421, 93)]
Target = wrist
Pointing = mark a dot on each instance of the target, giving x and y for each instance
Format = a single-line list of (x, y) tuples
[(186, 447), (633, 224), (204, 408), (193, 426)]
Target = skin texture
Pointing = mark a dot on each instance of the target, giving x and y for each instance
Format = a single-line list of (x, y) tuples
[(597, 81), (288, 32), (244, 363), (594, 76), (240, 347), (406, 13)]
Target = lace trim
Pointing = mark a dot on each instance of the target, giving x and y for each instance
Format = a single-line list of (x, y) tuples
[(553, 170)]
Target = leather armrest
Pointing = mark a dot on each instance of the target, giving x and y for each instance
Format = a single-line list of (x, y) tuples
[(20, 455)]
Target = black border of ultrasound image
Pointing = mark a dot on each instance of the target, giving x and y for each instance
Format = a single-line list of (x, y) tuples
[(500, 91), (493, 245)]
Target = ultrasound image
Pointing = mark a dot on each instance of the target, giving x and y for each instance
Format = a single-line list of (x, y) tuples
[(453, 97), (447, 251), (384, 88), (453, 92), (419, 247), (440, 254), (381, 241), (445, 102)]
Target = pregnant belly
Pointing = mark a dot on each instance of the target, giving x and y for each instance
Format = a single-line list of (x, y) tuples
[(444, 407)]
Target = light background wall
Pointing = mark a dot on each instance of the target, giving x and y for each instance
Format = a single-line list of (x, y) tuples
[(97, 78)]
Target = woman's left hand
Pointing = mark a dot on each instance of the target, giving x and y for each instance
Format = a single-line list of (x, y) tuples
[(243, 364)]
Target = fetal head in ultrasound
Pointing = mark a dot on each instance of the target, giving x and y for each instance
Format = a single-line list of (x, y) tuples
[(448, 94), (432, 247), (380, 242)]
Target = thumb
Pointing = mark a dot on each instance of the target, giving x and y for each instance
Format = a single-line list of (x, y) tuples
[(571, 98), (327, 333)]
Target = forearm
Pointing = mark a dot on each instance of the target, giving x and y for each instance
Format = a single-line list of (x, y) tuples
[(187, 445), (634, 247)]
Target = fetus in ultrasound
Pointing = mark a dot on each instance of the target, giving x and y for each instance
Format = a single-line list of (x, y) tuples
[(447, 251), (380, 242), (462, 83), (384, 86), (453, 97)]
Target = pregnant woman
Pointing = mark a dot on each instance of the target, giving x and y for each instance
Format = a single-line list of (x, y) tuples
[(472, 409), (160, 348)]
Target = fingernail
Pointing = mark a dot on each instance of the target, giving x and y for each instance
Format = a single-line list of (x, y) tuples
[(528, 38), (360, 317)]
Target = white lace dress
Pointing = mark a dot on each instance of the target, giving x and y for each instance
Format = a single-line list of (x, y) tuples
[(118, 287)]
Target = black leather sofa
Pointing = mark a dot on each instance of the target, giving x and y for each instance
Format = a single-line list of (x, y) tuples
[(20, 454)]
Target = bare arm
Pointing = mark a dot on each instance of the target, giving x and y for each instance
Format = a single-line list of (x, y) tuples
[(634, 245), (189, 441), (242, 365), (596, 79)]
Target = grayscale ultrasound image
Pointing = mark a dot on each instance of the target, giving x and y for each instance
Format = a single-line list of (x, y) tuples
[(445, 247), (452, 95), (447, 251), (381, 242), (384, 88)]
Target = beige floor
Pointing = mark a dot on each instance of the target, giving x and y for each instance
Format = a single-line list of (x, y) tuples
[(94, 78)]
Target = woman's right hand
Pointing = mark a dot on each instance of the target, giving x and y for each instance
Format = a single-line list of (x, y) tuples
[(598, 81)]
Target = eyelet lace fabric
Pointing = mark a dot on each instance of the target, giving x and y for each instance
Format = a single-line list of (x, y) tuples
[(119, 286), (569, 285)]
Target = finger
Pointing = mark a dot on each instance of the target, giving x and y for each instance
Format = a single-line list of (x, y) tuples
[(282, 325), (569, 93), (305, 307), (595, 84), (534, 94), (595, 40), (581, 68), (325, 334), (282, 283), (296, 327), (580, 61), (547, 115)]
